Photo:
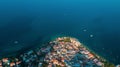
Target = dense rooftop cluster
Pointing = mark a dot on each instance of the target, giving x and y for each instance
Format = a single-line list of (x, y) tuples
[(61, 52), (71, 52)]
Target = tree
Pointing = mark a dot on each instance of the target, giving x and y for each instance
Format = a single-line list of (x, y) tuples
[(58, 66), (107, 64), (44, 64)]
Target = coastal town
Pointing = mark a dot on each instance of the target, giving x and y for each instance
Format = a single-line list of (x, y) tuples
[(61, 52)]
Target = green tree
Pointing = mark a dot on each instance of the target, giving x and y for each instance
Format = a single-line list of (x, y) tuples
[(107, 64), (44, 64), (58, 66)]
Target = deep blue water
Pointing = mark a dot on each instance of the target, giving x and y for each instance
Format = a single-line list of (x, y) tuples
[(31, 21)]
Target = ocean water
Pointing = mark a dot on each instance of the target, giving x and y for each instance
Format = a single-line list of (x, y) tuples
[(28, 23)]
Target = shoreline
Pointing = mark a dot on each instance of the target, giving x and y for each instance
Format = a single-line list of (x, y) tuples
[(46, 44)]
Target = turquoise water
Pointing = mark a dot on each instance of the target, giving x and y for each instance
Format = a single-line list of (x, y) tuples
[(31, 21)]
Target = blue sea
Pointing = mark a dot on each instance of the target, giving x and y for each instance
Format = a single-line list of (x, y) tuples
[(25, 24)]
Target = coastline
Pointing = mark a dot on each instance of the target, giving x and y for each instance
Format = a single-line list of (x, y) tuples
[(54, 38)]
